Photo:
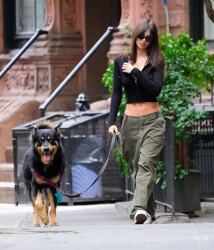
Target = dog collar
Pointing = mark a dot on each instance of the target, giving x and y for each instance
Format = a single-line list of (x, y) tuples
[(55, 185)]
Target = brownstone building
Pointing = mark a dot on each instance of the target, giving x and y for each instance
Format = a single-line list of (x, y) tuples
[(73, 27)]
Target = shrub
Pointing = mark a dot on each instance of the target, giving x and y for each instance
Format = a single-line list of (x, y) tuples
[(188, 73)]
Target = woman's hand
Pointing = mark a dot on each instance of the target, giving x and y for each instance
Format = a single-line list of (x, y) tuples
[(127, 67), (113, 129)]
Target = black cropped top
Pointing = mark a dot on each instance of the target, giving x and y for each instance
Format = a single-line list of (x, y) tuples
[(139, 86)]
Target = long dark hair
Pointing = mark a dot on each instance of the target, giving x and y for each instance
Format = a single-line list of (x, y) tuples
[(155, 57)]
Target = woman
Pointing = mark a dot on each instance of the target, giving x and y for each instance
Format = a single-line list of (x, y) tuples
[(141, 74)]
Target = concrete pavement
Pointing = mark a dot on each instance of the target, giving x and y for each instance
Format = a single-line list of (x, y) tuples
[(104, 226)]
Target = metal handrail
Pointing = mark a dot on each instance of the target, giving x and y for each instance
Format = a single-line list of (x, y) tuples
[(24, 48), (74, 71)]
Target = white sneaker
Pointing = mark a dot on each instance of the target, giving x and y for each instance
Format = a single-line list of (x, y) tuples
[(142, 217)]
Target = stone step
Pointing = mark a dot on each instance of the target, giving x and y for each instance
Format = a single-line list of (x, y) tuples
[(7, 191), (6, 172), (4, 101)]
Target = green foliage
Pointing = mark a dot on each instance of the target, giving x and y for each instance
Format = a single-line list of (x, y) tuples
[(122, 162), (161, 174), (107, 78), (179, 172), (189, 72)]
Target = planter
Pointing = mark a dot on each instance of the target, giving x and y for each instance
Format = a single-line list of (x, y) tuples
[(188, 193)]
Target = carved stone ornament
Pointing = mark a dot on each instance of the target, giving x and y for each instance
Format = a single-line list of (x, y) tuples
[(49, 14), (146, 8), (176, 19), (69, 16), (60, 73), (20, 81), (125, 11), (43, 81)]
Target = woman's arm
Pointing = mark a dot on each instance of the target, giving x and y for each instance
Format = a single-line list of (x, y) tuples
[(152, 86), (116, 94)]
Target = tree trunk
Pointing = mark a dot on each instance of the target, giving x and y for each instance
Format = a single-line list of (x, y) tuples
[(209, 9)]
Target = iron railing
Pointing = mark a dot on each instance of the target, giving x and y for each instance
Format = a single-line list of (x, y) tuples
[(23, 49), (202, 152), (74, 71)]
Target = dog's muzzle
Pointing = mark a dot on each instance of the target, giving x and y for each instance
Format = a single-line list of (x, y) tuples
[(47, 153)]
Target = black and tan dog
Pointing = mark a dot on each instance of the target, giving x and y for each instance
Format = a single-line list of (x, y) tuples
[(43, 167)]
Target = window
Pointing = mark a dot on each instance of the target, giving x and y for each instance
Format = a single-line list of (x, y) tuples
[(200, 25), (21, 19), (30, 15)]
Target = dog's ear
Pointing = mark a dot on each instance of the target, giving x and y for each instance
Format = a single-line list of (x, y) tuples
[(58, 126), (57, 129), (33, 132)]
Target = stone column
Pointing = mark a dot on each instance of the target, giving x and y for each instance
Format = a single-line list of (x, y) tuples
[(63, 49), (1, 27), (119, 42)]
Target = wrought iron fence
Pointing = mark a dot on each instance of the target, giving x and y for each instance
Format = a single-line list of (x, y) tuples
[(202, 152)]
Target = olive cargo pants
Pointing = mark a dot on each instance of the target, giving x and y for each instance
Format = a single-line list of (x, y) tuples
[(142, 139)]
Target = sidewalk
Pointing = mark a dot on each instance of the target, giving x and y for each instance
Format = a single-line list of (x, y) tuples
[(103, 226)]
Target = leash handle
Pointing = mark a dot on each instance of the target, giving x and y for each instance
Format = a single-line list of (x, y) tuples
[(99, 174)]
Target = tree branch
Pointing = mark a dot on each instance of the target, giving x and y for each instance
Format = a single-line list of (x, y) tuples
[(209, 9)]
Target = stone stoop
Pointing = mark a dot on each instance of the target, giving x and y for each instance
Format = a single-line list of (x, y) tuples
[(7, 185)]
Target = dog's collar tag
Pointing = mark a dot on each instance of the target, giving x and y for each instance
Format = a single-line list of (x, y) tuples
[(58, 196)]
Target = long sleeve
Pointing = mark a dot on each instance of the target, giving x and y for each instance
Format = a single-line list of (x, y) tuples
[(150, 83), (116, 93)]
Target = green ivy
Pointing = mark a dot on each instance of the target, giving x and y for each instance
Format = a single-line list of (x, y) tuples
[(189, 72), (180, 173), (126, 170), (161, 174)]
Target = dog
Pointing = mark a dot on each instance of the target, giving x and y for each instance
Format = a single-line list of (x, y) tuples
[(43, 167)]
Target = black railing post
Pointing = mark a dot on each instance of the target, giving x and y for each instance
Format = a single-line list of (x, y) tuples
[(170, 154), (74, 71), (24, 48)]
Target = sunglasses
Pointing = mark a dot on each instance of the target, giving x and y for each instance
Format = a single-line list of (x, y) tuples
[(147, 38)]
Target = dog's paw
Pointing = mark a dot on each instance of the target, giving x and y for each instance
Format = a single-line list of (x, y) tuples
[(36, 225), (45, 221), (54, 224)]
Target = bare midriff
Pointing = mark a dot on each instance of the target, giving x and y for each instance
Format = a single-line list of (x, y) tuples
[(142, 108)]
